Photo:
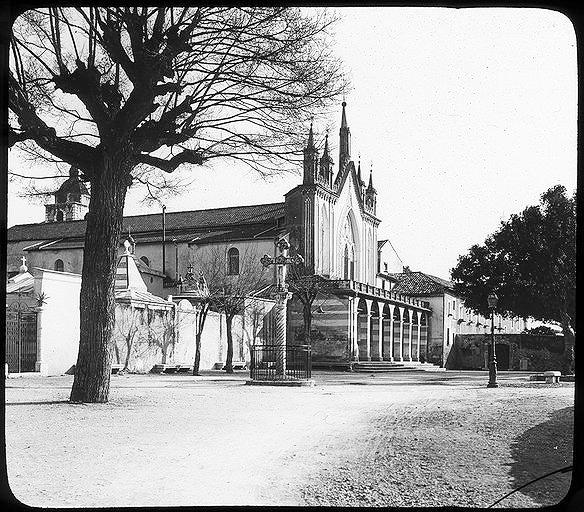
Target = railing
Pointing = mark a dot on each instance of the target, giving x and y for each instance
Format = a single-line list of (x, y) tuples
[(345, 284), (281, 362)]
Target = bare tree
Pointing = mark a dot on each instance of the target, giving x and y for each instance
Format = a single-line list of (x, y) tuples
[(305, 286), (198, 287), (230, 282), (123, 92), (162, 334), (127, 327)]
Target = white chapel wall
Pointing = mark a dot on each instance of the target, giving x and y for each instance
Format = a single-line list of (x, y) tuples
[(58, 321)]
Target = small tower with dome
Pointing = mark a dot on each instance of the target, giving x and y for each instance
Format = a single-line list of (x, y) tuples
[(71, 200)]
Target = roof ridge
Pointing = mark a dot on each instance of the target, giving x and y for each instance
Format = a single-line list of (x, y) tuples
[(282, 203)]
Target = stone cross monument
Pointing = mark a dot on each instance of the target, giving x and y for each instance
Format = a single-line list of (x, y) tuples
[(281, 295)]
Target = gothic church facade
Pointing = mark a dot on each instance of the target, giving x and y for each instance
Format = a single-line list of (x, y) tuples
[(331, 218)]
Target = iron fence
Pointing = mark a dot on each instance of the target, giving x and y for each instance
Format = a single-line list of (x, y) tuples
[(281, 362)]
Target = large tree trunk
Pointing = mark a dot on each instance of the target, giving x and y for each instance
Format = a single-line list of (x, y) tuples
[(97, 302), (229, 327)]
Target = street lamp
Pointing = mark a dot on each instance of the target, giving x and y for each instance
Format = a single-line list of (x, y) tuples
[(492, 302)]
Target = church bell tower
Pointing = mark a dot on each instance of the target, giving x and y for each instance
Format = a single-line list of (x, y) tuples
[(71, 200)]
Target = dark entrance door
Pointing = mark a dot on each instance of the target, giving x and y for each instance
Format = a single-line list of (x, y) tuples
[(21, 338), (502, 352)]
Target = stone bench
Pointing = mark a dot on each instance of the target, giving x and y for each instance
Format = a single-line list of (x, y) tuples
[(116, 368), (171, 368), (237, 365), (184, 368), (552, 377)]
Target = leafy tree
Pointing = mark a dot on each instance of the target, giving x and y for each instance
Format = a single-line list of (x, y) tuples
[(540, 330), (129, 94), (531, 264)]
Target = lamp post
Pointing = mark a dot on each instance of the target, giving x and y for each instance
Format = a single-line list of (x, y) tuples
[(492, 302)]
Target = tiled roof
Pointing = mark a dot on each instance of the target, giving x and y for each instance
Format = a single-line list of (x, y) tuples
[(256, 231), (195, 219), (138, 297), (418, 283)]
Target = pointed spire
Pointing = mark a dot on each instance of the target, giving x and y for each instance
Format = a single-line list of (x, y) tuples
[(310, 159), (326, 146), (370, 187), (359, 171), (344, 140), (310, 143), (344, 115)]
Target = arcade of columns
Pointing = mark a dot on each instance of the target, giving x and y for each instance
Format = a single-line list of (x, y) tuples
[(381, 331)]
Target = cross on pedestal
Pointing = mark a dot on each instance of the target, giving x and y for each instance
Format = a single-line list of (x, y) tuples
[(281, 295)]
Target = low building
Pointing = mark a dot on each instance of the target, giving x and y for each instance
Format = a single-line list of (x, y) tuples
[(450, 316)]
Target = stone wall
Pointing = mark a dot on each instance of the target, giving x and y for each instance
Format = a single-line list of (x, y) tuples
[(522, 351)]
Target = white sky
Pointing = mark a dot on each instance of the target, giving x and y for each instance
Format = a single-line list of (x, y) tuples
[(468, 116)]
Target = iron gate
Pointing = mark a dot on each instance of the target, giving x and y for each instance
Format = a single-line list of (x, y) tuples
[(21, 338)]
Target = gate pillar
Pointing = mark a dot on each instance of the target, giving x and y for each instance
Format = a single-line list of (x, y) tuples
[(40, 365)]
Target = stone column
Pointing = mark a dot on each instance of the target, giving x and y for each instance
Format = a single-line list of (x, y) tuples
[(40, 365), (390, 322), (401, 334), (368, 316), (280, 334), (419, 315), (380, 330), (410, 337), (354, 328)]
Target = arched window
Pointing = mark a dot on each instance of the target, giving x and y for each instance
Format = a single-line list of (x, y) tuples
[(59, 267), (349, 263), (347, 249), (145, 260), (233, 261)]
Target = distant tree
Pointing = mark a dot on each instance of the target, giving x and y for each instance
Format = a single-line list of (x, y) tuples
[(531, 264), (540, 330), (161, 332), (198, 287), (129, 94), (127, 331), (305, 286)]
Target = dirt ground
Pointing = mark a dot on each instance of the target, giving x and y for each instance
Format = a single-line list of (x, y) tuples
[(395, 439)]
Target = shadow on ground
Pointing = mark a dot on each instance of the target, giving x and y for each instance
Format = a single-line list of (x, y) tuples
[(542, 449)]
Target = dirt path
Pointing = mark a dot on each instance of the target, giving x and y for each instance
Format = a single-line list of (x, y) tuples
[(180, 441)]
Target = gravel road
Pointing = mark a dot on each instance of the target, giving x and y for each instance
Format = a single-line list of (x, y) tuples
[(401, 439)]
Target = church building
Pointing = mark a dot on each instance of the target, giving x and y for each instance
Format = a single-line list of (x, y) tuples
[(331, 219)]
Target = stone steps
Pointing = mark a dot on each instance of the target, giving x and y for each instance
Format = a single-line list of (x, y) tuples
[(388, 366)]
